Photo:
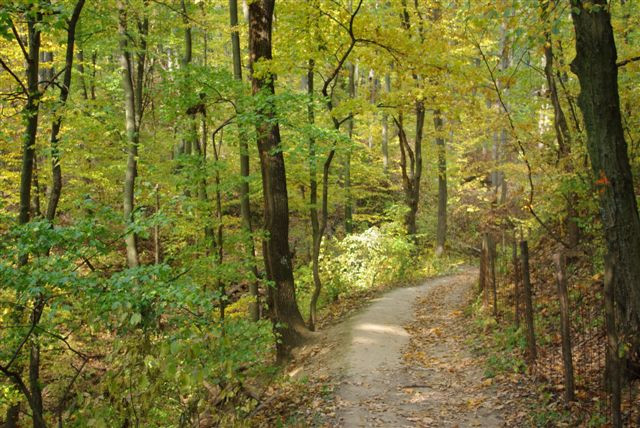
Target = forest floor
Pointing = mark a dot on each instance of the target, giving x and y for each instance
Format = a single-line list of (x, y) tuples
[(407, 359)]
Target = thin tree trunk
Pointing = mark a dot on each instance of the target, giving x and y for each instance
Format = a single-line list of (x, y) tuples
[(132, 117), (35, 385), (219, 232), (565, 326), (287, 320), (492, 267), (83, 79), (528, 303), (316, 236), (348, 204), (385, 129), (411, 170), (56, 171), (30, 116), (94, 59), (482, 279), (613, 363), (595, 66), (328, 94), (441, 234), (563, 135), (245, 208), (35, 191), (516, 282), (157, 250)]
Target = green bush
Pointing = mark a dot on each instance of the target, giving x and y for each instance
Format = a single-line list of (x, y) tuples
[(378, 255)]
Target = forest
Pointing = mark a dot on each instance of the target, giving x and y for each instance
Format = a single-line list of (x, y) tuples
[(319, 213)]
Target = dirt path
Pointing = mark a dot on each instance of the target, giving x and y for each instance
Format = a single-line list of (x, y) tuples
[(403, 362)]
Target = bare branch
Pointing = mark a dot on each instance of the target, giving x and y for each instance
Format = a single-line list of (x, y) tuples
[(19, 40), (627, 61), (16, 78), (520, 147)]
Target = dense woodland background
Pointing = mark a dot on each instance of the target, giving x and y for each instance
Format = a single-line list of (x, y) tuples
[(187, 188)]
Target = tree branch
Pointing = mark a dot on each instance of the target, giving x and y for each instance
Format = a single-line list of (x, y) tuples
[(520, 147), (17, 79), (19, 40), (627, 61)]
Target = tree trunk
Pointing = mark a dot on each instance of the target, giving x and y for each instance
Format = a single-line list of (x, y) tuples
[(492, 267), (441, 234), (316, 236), (56, 172), (133, 115), (482, 279), (595, 66), (245, 208), (528, 302), (411, 170), (30, 116), (83, 79), (565, 327), (157, 250), (286, 317), (222, 294), (37, 407), (563, 135), (348, 204), (613, 368), (516, 282), (94, 59), (385, 129)]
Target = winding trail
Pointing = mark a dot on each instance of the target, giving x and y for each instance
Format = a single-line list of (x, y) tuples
[(403, 361)]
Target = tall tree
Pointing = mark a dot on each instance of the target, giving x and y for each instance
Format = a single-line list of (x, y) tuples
[(318, 227), (411, 158), (348, 202), (56, 169), (132, 83), (560, 125), (599, 101), (286, 317), (245, 208)]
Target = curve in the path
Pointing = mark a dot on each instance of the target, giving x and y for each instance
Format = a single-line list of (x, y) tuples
[(372, 390)]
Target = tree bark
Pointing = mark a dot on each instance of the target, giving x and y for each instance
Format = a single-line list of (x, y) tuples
[(441, 233), (595, 66), (288, 323), (613, 368)]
